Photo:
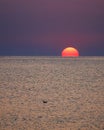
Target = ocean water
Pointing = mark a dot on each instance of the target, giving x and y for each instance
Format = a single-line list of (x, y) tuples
[(46, 93)]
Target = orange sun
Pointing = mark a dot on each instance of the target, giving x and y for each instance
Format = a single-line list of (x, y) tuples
[(70, 52)]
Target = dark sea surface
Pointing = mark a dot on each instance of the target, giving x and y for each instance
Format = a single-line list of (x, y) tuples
[(46, 93)]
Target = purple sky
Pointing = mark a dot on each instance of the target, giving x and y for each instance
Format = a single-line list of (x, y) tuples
[(46, 27)]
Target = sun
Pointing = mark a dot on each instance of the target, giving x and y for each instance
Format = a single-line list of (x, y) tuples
[(70, 52)]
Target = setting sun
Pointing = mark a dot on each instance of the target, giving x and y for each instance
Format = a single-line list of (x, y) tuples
[(70, 52)]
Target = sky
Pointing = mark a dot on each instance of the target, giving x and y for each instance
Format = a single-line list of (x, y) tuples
[(46, 27)]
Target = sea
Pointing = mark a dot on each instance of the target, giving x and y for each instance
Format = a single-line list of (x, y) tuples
[(51, 92)]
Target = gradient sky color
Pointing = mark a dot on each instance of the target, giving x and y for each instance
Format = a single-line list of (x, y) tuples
[(46, 27)]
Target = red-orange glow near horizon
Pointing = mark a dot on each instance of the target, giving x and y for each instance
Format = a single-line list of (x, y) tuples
[(70, 52)]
